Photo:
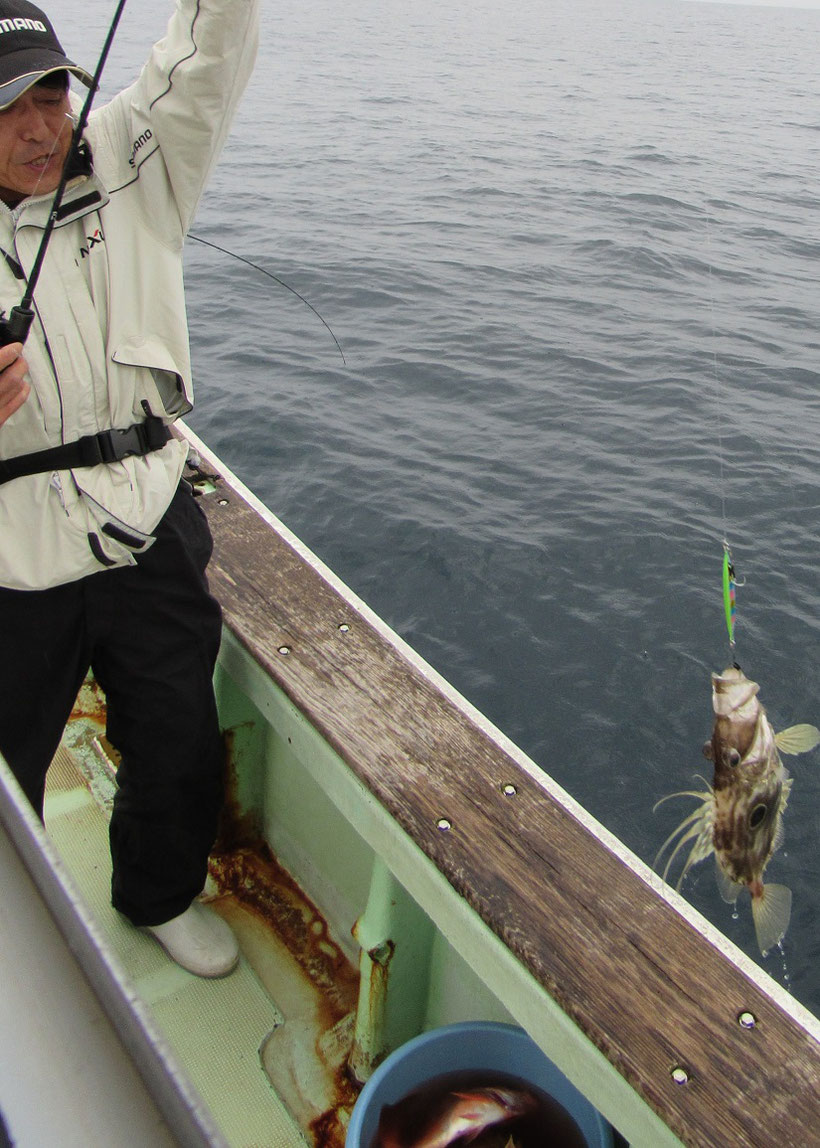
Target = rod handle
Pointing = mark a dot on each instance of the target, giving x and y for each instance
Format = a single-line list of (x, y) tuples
[(16, 327)]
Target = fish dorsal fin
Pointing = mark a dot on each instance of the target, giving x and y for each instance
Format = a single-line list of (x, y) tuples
[(771, 912), (728, 889), (797, 739)]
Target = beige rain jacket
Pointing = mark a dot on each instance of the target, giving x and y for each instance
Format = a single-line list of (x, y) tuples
[(110, 328)]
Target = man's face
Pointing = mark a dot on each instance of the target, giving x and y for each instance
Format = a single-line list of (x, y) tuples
[(35, 135)]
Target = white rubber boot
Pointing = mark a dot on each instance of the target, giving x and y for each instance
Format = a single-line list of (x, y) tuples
[(200, 941)]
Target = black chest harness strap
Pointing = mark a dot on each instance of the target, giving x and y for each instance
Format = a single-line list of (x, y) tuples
[(90, 450)]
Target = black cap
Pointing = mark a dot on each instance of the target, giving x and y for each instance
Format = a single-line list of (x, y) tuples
[(29, 50)]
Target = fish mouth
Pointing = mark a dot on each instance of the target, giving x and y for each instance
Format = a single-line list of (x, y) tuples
[(732, 691)]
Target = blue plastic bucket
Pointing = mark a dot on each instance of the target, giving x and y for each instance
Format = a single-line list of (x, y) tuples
[(472, 1046)]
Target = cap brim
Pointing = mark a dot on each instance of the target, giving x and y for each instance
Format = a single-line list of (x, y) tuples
[(12, 90)]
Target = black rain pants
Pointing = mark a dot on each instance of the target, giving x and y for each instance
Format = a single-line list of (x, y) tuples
[(150, 633)]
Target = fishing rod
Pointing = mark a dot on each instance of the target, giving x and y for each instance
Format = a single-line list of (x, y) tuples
[(15, 329), (275, 278)]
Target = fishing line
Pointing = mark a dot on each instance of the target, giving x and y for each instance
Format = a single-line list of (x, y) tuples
[(17, 326), (275, 278), (715, 372), (729, 579)]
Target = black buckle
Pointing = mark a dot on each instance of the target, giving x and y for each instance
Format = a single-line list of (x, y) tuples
[(122, 443), (115, 445), (111, 445)]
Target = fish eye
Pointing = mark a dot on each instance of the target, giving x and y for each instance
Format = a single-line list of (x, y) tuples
[(757, 816)]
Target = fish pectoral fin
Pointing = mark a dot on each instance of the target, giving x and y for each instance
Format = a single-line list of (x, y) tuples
[(771, 912), (797, 739), (728, 889)]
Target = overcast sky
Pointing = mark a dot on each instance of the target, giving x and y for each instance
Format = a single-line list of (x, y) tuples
[(777, 3), (774, 3)]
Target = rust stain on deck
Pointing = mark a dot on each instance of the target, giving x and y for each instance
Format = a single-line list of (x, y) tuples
[(256, 881), (238, 826), (90, 704), (253, 876), (327, 1130), (243, 867)]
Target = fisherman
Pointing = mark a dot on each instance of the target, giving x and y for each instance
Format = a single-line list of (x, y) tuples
[(103, 548)]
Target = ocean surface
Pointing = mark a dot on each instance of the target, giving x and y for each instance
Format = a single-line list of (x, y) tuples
[(570, 252)]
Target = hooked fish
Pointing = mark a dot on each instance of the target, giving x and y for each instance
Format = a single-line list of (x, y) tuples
[(740, 818), (465, 1116)]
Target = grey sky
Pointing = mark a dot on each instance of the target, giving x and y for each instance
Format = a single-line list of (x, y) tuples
[(767, 3)]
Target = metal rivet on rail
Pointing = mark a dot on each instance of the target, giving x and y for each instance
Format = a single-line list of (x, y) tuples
[(444, 824), (679, 1075), (747, 1020), (284, 649), (509, 790), (344, 628)]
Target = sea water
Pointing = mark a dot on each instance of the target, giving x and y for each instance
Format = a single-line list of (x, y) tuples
[(569, 249)]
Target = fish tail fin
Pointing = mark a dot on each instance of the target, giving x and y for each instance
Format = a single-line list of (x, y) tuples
[(771, 911)]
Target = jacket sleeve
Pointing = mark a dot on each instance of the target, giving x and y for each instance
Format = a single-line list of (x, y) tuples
[(162, 136)]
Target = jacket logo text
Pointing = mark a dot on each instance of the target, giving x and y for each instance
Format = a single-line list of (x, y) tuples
[(140, 142), (93, 240)]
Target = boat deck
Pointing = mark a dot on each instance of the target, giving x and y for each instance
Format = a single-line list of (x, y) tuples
[(228, 1035)]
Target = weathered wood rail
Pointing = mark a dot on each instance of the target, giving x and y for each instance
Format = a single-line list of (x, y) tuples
[(648, 988)]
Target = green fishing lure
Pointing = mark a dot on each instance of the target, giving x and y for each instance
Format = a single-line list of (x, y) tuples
[(729, 594)]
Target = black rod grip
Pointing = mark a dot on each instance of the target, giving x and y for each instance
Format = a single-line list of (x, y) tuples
[(15, 329)]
